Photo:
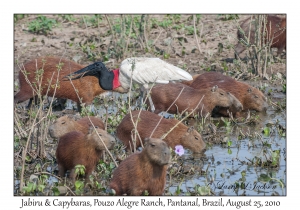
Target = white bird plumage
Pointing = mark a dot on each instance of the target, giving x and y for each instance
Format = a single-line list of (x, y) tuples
[(149, 70)]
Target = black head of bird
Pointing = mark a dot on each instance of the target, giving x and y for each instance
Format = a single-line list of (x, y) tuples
[(108, 80)]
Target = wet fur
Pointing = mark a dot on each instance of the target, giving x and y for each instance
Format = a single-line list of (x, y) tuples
[(66, 124), (76, 148), (142, 171), (188, 138), (253, 100), (163, 95), (88, 87)]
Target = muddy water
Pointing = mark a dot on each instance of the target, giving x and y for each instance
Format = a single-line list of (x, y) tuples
[(225, 166)]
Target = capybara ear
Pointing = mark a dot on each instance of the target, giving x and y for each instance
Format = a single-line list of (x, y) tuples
[(214, 88), (146, 141), (71, 117), (249, 90), (190, 129), (91, 129)]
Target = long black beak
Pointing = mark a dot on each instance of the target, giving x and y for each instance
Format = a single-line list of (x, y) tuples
[(94, 69)]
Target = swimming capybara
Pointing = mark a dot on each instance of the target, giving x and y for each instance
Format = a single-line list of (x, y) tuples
[(145, 170), (66, 124), (163, 95), (48, 68), (76, 148), (187, 137), (250, 97), (275, 29)]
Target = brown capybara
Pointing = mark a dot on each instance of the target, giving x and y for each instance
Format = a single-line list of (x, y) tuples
[(275, 29), (87, 87), (75, 148), (182, 135), (189, 82), (66, 124), (145, 170), (163, 95), (250, 97)]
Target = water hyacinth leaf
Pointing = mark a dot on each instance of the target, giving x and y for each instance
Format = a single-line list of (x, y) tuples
[(79, 185), (204, 190), (266, 131), (229, 143), (229, 151), (41, 187), (243, 173), (111, 165), (264, 178), (275, 157), (55, 191)]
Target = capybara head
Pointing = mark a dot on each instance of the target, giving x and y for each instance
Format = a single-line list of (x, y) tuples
[(192, 139), (223, 99), (61, 126), (255, 99), (157, 151), (237, 106), (105, 138)]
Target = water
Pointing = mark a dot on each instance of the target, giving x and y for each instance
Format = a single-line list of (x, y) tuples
[(225, 165)]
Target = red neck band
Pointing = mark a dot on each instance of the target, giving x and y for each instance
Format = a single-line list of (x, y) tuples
[(116, 82)]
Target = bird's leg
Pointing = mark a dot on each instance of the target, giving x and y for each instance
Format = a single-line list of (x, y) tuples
[(142, 96), (145, 88), (151, 103)]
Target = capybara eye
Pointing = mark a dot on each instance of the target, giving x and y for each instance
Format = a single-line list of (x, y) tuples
[(100, 134), (63, 122), (221, 94), (152, 145), (196, 138), (96, 127), (255, 96)]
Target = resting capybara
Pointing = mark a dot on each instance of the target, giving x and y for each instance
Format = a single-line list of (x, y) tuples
[(189, 82), (188, 137), (76, 148), (250, 97), (47, 67), (275, 29), (145, 170), (66, 124), (163, 95)]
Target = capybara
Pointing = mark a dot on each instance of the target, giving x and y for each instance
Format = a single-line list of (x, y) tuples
[(163, 95), (250, 97), (66, 124), (189, 82), (275, 29), (188, 137), (76, 148), (145, 170), (87, 87)]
